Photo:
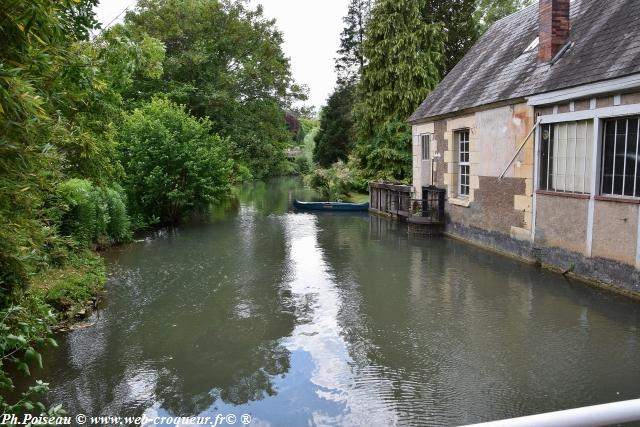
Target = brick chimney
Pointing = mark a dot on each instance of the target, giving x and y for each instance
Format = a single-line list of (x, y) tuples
[(554, 27)]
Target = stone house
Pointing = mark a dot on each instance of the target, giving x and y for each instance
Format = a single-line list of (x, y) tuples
[(535, 135)]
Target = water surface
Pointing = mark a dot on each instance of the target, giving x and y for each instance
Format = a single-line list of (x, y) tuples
[(338, 319)]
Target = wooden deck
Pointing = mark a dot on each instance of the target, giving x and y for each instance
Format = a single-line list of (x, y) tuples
[(394, 200)]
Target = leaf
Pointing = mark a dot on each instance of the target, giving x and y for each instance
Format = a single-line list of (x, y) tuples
[(33, 356), (18, 339), (24, 368)]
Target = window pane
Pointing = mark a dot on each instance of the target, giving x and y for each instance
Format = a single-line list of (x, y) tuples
[(426, 146), (545, 135), (620, 157), (565, 156)]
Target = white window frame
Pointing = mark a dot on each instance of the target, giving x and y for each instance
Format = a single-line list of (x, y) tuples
[(609, 191), (425, 145), (463, 188), (598, 115), (565, 159)]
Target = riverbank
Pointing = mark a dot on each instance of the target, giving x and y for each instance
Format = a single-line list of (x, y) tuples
[(73, 289)]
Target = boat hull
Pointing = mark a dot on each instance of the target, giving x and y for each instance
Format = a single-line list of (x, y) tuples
[(331, 206)]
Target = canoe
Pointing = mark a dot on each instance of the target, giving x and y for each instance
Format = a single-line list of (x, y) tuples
[(331, 206)]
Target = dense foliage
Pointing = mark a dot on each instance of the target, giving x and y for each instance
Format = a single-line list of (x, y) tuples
[(224, 62), (386, 155), (93, 214), (333, 141), (334, 183), (173, 163), (458, 24), (403, 57)]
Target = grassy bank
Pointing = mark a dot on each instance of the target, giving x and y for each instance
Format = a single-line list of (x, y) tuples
[(73, 289)]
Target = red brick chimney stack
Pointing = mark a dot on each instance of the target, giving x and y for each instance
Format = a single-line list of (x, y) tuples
[(554, 27)]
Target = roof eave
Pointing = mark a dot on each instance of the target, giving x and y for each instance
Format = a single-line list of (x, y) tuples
[(465, 111)]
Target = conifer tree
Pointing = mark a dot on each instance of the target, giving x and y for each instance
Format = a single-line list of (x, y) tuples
[(333, 141), (404, 55), (350, 61)]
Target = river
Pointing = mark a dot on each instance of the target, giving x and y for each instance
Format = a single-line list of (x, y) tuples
[(337, 319)]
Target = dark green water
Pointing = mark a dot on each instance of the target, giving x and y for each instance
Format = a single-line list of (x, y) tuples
[(303, 319)]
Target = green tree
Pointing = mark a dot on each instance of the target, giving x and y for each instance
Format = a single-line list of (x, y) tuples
[(34, 38), (458, 21), (490, 11), (94, 76), (334, 140), (173, 164), (404, 56), (350, 60), (225, 62), (387, 154)]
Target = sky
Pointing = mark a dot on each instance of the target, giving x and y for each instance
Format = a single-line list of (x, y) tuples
[(311, 31)]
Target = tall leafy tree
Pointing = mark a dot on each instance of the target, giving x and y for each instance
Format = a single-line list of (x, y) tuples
[(458, 21), (350, 61), (333, 141), (490, 11), (404, 55), (224, 62)]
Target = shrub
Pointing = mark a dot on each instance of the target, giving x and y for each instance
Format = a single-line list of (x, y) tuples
[(302, 165), (79, 221), (335, 183), (119, 224), (173, 164), (93, 215)]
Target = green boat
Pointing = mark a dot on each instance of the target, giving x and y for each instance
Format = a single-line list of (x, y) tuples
[(331, 206)]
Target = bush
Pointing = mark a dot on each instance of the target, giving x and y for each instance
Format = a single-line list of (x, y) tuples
[(302, 165), (119, 225), (335, 183), (79, 221), (173, 164), (93, 215)]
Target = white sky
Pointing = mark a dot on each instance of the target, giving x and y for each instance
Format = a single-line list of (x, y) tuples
[(311, 31)]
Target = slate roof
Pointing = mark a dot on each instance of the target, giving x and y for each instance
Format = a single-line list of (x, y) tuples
[(606, 34)]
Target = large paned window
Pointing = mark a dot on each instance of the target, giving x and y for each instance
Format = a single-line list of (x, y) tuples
[(425, 140), (620, 144), (462, 138), (565, 156)]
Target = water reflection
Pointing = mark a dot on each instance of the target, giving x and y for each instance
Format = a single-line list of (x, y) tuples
[(304, 319)]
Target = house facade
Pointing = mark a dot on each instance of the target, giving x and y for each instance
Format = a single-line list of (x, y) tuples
[(535, 135)]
